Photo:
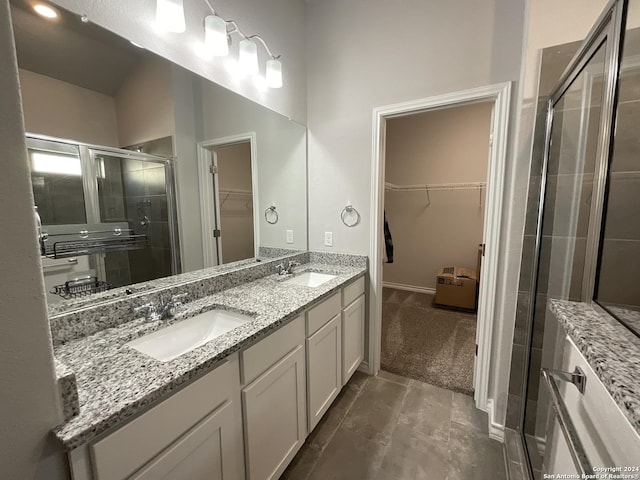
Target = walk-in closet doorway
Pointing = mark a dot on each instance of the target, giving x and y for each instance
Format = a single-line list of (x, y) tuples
[(487, 196), (432, 227)]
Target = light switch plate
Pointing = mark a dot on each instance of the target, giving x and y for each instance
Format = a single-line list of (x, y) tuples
[(328, 239), (289, 236)]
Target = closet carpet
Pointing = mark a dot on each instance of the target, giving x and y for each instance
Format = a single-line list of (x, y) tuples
[(426, 343)]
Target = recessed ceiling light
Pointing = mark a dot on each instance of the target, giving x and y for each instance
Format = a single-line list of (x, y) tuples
[(45, 10)]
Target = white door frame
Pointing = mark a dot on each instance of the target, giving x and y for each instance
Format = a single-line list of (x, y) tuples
[(500, 94), (207, 200)]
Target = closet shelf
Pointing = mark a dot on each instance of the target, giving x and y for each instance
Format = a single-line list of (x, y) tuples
[(434, 186), (426, 188), (230, 193)]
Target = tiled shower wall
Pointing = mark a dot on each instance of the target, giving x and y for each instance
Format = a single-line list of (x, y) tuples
[(146, 206), (617, 282)]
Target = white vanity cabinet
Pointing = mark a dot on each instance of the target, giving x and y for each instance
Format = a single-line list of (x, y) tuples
[(195, 434), (274, 401), (324, 357), (248, 417), (353, 319)]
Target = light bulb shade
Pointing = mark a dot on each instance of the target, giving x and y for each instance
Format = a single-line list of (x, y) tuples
[(215, 36), (248, 53), (274, 73), (170, 15)]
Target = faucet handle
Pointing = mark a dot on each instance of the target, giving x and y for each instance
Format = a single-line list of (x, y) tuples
[(177, 300), (148, 309), (178, 297), (292, 264)]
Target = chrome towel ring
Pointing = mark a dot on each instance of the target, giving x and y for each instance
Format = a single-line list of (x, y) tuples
[(349, 212), (270, 215)]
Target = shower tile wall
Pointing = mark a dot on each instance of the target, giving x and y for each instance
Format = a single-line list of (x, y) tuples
[(146, 208), (621, 239), (554, 61)]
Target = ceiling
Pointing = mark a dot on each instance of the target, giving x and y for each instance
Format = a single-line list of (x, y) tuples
[(72, 51)]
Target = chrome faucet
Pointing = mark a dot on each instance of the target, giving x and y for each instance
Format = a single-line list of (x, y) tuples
[(282, 270), (163, 311)]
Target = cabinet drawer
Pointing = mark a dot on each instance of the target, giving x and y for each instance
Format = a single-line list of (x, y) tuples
[(322, 313), (124, 451), (259, 357), (353, 291)]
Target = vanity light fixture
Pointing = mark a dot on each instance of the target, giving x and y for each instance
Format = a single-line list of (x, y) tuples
[(248, 57), (274, 73), (45, 11), (170, 15), (218, 38)]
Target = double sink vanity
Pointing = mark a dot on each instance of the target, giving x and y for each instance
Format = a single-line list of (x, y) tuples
[(228, 385)]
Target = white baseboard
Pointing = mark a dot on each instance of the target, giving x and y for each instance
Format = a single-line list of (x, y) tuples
[(364, 368), (496, 429), (409, 288), (541, 445)]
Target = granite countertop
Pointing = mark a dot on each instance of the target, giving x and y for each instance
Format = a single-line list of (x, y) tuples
[(611, 350), (115, 382)]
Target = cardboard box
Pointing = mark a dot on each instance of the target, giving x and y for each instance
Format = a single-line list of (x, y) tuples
[(457, 287)]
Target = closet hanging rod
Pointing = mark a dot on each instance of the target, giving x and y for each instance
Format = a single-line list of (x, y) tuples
[(435, 186), (232, 191)]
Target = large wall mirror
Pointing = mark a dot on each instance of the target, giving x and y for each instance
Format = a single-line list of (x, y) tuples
[(142, 169)]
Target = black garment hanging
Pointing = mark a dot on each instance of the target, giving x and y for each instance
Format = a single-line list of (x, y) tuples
[(388, 241)]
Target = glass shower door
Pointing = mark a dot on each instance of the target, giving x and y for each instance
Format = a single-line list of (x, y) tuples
[(565, 220), (135, 190)]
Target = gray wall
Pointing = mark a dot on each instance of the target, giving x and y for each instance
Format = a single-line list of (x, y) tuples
[(369, 53), (30, 407)]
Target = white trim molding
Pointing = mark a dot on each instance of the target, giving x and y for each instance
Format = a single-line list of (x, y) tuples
[(208, 205), (496, 428), (500, 95), (409, 288)]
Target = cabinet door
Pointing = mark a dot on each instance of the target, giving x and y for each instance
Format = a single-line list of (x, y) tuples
[(352, 338), (140, 441), (324, 369), (208, 452), (274, 408)]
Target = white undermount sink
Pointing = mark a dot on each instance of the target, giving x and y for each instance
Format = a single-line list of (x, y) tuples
[(182, 337), (311, 279)]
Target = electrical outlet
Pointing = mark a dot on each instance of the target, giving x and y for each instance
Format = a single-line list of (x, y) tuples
[(328, 239), (289, 236)]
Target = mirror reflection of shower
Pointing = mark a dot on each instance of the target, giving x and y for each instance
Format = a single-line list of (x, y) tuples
[(108, 215)]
